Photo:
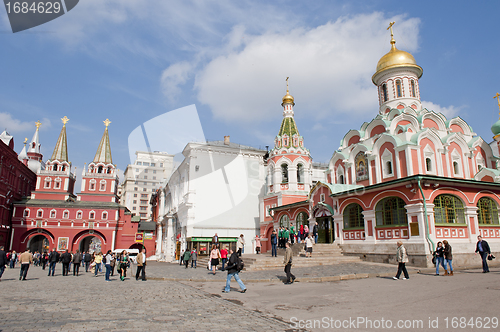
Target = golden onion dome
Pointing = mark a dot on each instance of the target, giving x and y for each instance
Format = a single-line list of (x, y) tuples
[(288, 98), (396, 58)]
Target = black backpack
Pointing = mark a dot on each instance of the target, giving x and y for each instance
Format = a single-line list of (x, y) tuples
[(239, 264)]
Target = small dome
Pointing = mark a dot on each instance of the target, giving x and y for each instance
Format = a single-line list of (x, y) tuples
[(287, 99), (495, 129), (397, 58)]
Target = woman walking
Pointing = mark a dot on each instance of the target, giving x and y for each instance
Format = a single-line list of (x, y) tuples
[(97, 261), (214, 258), (240, 244), (439, 256), (257, 244), (447, 258), (402, 259), (123, 264)]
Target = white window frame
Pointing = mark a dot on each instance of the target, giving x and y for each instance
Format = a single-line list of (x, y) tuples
[(456, 158), (92, 215), (322, 197), (101, 188), (79, 214), (54, 211), (429, 153), (47, 183), (26, 213), (104, 215), (92, 182), (64, 212), (39, 213), (340, 172)]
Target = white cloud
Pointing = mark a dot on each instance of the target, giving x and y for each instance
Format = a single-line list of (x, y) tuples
[(17, 126), (450, 111), (174, 76), (330, 68)]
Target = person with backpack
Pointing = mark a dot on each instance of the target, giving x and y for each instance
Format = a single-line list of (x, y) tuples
[(194, 257), (234, 266), (87, 259)]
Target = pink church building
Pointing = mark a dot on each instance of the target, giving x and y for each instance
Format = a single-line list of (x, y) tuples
[(409, 174)]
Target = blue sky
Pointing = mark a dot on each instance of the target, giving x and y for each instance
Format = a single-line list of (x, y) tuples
[(131, 61)]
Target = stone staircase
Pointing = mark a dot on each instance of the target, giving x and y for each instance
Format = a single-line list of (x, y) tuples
[(323, 254)]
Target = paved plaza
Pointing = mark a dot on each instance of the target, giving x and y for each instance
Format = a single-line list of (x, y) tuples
[(88, 303)]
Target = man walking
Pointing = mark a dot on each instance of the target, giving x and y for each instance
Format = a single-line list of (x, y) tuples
[(290, 278), (107, 264), (232, 268), (483, 249), (141, 265), (13, 259), (77, 259), (3, 261), (87, 259), (25, 259), (274, 243), (53, 259), (65, 260), (315, 232)]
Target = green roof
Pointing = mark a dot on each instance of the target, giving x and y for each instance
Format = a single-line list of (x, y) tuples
[(288, 127)]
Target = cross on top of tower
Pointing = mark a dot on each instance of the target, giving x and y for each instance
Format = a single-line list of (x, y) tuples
[(497, 97), (107, 122), (38, 124), (64, 120)]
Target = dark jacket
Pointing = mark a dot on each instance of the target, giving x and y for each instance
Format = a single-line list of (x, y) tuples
[(54, 257), (315, 229), (447, 252), (77, 258), (439, 252), (88, 258), (3, 258), (66, 258), (273, 239), (484, 244), (232, 264)]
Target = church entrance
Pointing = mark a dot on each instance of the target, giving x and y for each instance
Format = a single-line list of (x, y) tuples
[(91, 244), (39, 243), (325, 230)]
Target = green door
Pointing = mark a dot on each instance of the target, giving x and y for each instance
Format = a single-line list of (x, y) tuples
[(325, 230)]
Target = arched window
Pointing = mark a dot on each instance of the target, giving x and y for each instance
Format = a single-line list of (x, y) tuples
[(99, 169), (47, 182), (388, 166), (284, 173), (398, 88), (384, 92), (285, 221), (302, 219), (102, 185), (341, 179), (487, 211), (300, 173), (413, 89), (353, 216), (448, 209), (428, 164), (391, 211)]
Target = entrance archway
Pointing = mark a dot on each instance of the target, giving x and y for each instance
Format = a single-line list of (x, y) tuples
[(137, 246), (325, 230), (91, 244), (38, 243)]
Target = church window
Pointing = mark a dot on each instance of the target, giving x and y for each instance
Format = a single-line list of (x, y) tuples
[(353, 216), (47, 183), (384, 92), (391, 211), (92, 186), (66, 214), (104, 215), (39, 214), (487, 211), (284, 173), (341, 179), (300, 173), (102, 185), (456, 169), (285, 221), (63, 168), (428, 164), (99, 169), (322, 197), (398, 88), (79, 215), (413, 89), (57, 183), (53, 214), (448, 209), (109, 170), (92, 215), (26, 213), (302, 219), (387, 167)]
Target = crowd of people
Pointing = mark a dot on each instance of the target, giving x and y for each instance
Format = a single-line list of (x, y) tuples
[(93, 262)]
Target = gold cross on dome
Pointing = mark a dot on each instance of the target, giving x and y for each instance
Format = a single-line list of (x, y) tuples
[(38, 124), (107, 122), (393, 41), (287, 84), (65, 120), (497, 96)]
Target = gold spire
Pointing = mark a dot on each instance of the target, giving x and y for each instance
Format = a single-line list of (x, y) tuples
[(103, 153), (497, 97), (38, 124), (287, 99), (65, 120), (61, 150), (25, 140)]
